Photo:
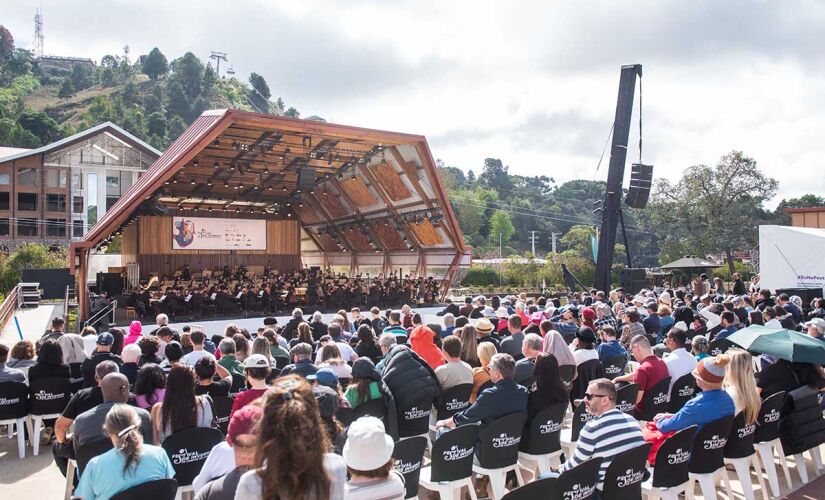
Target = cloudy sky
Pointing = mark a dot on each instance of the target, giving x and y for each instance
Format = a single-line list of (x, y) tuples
[(533, 83)]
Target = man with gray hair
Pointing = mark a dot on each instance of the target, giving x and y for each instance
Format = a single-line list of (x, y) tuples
[(228, 359), (301, 361), (816, 328), (504, 398), (530, 348), (386, 342), (449, 325), (291, 327)]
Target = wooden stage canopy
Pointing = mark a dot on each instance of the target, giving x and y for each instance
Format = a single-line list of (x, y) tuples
[(359, 198)]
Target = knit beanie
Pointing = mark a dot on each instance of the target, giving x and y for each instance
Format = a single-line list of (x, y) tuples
[(711, 370)]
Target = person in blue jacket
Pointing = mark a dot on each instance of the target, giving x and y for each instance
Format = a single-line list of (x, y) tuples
[(711, 404)]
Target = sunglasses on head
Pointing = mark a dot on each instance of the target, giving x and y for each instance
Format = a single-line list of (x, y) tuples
[(589, 396)]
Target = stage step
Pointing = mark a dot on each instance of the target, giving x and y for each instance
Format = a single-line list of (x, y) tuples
[(30, 292)]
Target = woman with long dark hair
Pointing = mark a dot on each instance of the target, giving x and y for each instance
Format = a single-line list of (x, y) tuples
[(150, 385), (367, 346), (49, 362), (293, 458), (550, 388), (130, 462), (180, 408)]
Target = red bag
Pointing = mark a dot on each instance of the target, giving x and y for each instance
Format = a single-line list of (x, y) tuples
[(653, 435)]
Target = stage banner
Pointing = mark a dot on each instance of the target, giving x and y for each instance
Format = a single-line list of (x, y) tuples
[(201, 233)]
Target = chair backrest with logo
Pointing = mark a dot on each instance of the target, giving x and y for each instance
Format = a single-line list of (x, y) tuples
[(89, 450), (683, 390), (767, 424), (541, 436), (587, 371), (740, 439), (613, 367), (580, 417), (14, 400), (579, 482), (238, 385), (498, 442), (159, 489), (719, 346), (453, 400), (222, 406), (673, 459), (49, 395), (189, 449), (414, 419), (709, 446), (625, 474), (409, 455), (626, 398), (654, 400), (452, 454), (76, 377), (532, 490)]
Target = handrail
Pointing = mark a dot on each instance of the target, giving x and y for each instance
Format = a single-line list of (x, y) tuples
[(103, 312), (10, 306)]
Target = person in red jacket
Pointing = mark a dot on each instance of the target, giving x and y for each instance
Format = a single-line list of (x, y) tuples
[(421, 341)]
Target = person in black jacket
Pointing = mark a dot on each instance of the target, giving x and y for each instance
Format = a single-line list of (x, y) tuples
[(410, 379), (451, 308), (291, 327), (102, 353)]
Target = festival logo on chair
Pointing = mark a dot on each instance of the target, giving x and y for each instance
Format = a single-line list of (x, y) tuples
[(184, 232)]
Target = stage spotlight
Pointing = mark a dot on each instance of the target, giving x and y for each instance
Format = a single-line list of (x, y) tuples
[(192, 182), (217, 165), (436, 218), (195, 163)]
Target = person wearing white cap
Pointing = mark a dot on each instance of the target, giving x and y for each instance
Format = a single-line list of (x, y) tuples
[(816, 328), (368, 455)]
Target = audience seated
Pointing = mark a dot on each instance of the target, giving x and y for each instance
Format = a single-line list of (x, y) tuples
[(9, 374), (650, 371), (150, 385), (102, 352), (481, 374), (129, 463), (293, 460), (232, 458), (368, 455), (206, 370), (257, 369), (454, 371), (302, 365), (181, 408)]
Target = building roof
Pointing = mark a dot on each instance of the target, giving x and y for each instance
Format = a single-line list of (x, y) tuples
[(84, 134), (792, 210), (7, 151), (691, 262), (368, 190)]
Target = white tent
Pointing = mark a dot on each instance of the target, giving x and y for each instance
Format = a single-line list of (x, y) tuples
[(791, 257)]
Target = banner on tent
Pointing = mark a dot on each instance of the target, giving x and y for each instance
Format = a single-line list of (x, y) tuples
[(791, 257), (201, 233)]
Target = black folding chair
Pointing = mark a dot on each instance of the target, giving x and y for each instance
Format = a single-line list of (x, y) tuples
[(76, 377), (587, 371), (372, 408), (568, 437), (540, 441), (414, 419), (498, 451), (47, 399), (221, 407), (188, 450), (683, 390), (567, 372), (14, 408), (614, 367), (159, 489), (654, 400), (408, 455), (626, 398), (623, 477), (87, 451), (453, 400), (708, 456), (719, 346), (579, 483), (766, 439), (451, 465), (670, 470)]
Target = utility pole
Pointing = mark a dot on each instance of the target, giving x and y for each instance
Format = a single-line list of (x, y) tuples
[(533, 242), (553, 235), (500, 263), (218, 57)]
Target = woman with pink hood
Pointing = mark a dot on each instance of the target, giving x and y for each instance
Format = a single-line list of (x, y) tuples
[(135, 332)]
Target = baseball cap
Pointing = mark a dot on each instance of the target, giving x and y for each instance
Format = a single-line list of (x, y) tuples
[(328, 400), (368, 446), (817, 322), (256, 361), (105, 338), (324, 376), (243, 421)]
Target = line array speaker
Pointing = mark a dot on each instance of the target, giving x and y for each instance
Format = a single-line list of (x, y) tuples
[(641, 178), (306, 178)]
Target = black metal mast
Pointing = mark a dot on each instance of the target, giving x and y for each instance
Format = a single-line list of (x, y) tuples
[(615, 175)]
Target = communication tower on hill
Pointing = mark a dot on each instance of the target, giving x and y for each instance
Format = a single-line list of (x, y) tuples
[(38, 34)]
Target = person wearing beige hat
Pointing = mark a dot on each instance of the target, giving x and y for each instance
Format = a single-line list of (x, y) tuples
[(368, 455), (484, 329)]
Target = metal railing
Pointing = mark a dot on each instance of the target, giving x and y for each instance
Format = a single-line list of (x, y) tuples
[(100, 314), (10, 305)]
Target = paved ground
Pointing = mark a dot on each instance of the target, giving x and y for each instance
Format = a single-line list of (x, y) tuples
[(33, 322)]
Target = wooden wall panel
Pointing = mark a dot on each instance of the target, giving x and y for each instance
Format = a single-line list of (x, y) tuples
[(129, 244), (283, 237), (426, 234), (388, 237), (357, 241), (307, 214), (391, 182), (166, 265), (327, 243), (331, 203), (358, 192)]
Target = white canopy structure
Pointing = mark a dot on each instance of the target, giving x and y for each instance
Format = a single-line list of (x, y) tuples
[(791, 257)]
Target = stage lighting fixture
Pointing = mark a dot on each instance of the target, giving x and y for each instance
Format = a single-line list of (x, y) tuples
[(217, 165), (284, 189), (226, 184), (436, 218), (192, 182), (255, 187), (209, 183), (195, 163), (340, 177)]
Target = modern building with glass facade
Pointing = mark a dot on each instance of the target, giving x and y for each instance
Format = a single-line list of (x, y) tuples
[(55, 193)]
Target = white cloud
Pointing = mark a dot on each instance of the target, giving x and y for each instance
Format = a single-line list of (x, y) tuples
[(531, 82)]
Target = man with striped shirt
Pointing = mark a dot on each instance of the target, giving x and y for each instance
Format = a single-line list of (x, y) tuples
[(609, 434)]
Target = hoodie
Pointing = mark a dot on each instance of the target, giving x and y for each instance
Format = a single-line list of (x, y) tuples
[(421, 340)]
